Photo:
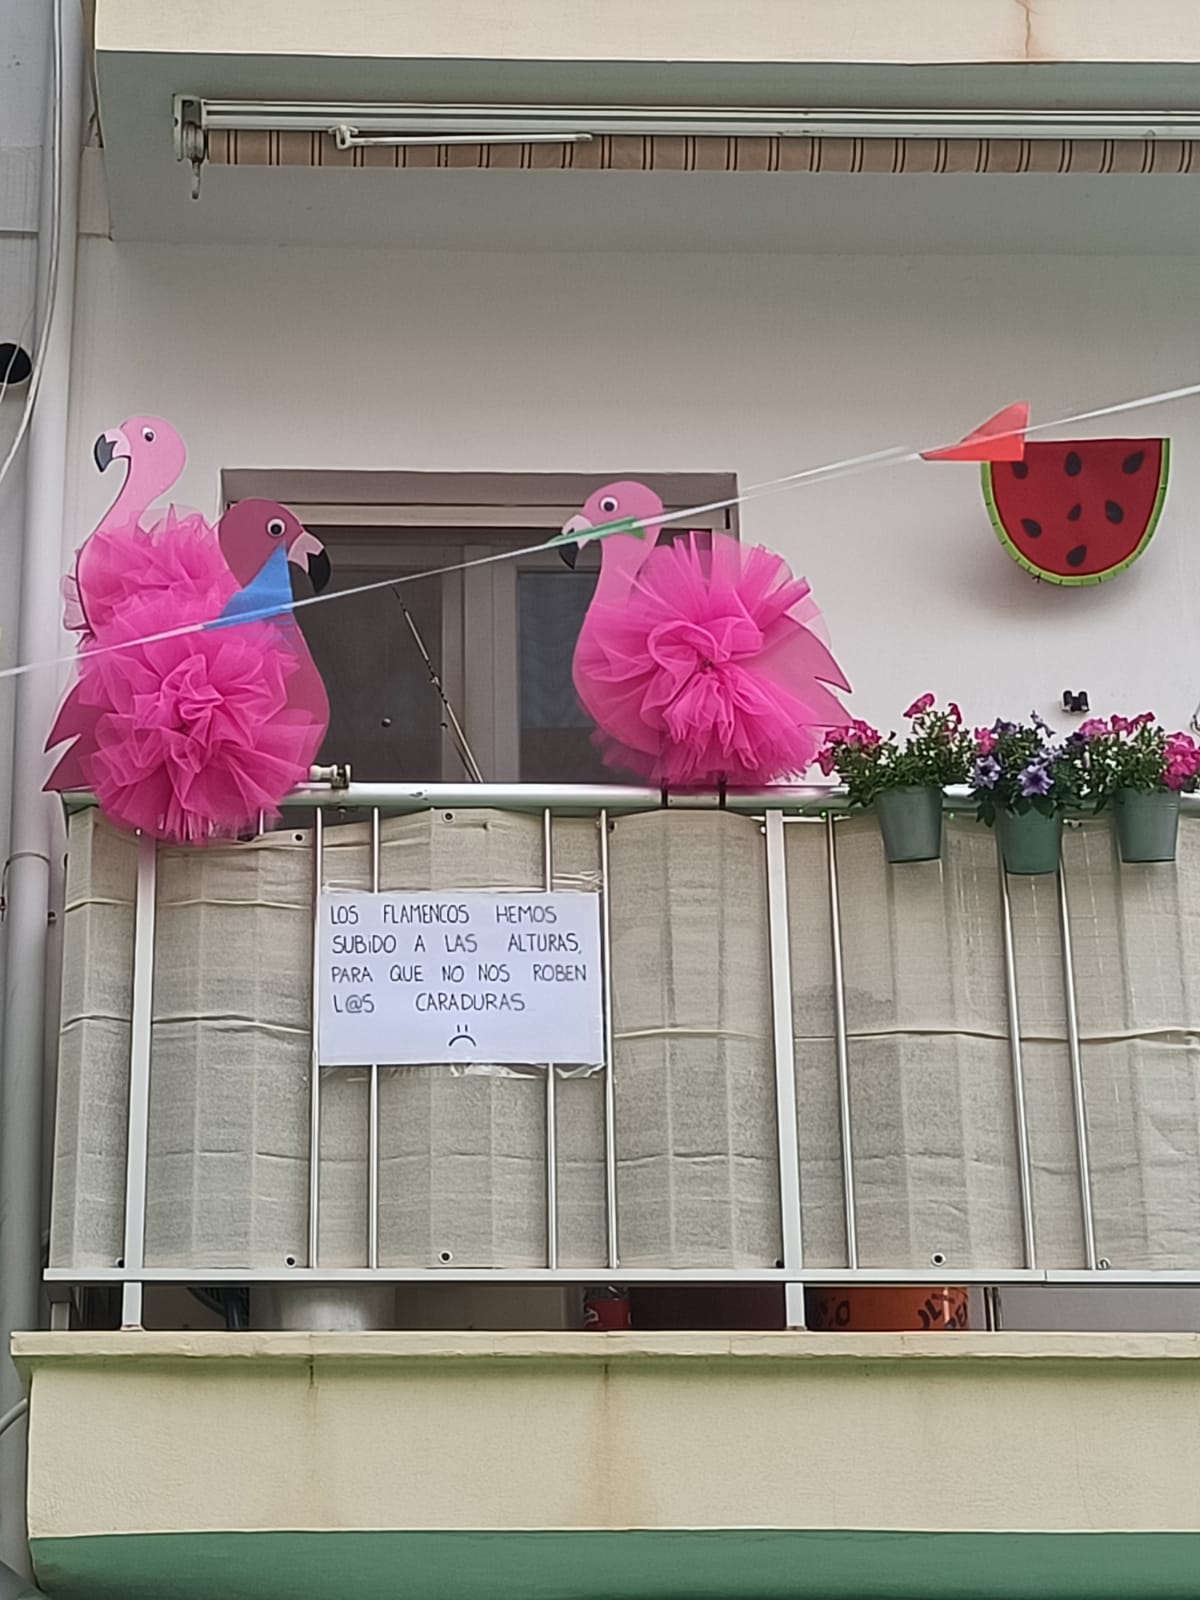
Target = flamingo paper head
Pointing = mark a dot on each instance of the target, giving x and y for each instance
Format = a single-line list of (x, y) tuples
[(615, 502), (154, 451), (253, 531)]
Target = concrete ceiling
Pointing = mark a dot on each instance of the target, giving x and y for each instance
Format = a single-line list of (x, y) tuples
[(149, 190)]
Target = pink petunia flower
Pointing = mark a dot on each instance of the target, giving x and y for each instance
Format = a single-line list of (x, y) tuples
[(985, 741), (921, 706), (1093, 727)]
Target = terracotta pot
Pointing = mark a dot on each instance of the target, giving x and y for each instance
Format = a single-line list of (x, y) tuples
[(926, 1310)]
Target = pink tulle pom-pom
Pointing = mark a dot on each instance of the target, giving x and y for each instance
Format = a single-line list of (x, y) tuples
[(194, 736), (709, 669)]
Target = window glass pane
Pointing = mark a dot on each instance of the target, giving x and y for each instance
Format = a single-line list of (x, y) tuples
[(556, 732), (385, 716)]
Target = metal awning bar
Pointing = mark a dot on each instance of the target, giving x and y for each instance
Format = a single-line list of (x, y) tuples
[(357, 124)]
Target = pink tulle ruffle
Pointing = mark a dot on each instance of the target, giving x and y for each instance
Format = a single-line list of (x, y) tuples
[(117, 566), (708, 669)]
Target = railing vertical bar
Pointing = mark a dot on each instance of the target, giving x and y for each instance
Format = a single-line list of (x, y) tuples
[(141, 1032), (314, 1129), (551, 1083), (779, 937), (1017, 1063), (1075, 1056), (610, 1093), (841, 1043), (373, 1092)]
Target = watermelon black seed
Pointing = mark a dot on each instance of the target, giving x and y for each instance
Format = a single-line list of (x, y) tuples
[(1114, 512), (1134, 462), (1075, 512), (1073, 464), (1076, 557), (1020, 469), (1032, 528)]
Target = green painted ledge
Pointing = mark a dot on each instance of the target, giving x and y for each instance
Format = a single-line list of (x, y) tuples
[(738, 1564)]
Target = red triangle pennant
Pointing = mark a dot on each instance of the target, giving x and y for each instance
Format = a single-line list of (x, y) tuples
[(1000, 438)]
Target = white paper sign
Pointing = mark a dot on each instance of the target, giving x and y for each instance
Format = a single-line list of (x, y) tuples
[(410, 979)]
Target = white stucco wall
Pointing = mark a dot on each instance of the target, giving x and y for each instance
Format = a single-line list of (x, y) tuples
[(671, 30), (760, 365)]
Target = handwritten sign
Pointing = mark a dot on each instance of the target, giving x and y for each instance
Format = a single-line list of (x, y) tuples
[(415, 979)]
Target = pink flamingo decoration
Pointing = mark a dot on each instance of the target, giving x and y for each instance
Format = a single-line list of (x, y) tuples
[(190, 736), (699, 661), (155, 455)]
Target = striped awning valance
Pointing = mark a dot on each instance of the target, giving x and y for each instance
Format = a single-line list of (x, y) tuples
[(671, 153)]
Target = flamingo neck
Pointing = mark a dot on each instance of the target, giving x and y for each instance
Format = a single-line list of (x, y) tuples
[(133, 500), (620, 557)]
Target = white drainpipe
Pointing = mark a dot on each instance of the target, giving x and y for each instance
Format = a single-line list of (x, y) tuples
[(36, 828)]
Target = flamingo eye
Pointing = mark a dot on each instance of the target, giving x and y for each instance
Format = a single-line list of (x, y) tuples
[(276, 527), (148, 435), (608, 505)]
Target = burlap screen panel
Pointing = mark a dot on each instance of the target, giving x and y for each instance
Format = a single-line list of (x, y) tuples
[(462, 1155)]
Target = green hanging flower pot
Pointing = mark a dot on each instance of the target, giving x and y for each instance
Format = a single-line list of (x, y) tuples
[(1147, 823), (1030, 841), (910, 820)]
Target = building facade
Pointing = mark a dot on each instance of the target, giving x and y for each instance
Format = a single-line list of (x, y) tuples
[(429, 276)]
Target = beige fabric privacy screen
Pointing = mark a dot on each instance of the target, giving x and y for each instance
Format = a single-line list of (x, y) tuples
[(462, 1154)]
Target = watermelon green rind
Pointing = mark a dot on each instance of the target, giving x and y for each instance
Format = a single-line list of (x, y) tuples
[(1066, 581)]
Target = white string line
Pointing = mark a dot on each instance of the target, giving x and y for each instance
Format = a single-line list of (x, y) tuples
[(849, 467)]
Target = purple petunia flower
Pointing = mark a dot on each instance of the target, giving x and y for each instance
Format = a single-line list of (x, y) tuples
[(1036, 779), (986, 773)]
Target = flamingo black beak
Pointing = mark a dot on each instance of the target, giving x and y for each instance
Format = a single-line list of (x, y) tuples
[(308, 552), (570, 552), (103, 452)]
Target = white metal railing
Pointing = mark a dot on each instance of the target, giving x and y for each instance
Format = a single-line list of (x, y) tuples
[(777, 809)]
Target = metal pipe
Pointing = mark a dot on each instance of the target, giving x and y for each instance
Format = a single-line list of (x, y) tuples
[(610, 1094), (1075, 1056), (36, 833), (551, 1085), (13, 1414), (1016, 1061), (373, 1094), (314, 1113), (841, 1044), (141, 1037), (559, 797), (779, 942)]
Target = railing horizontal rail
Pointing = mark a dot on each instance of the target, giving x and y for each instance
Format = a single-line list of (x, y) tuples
[(804, 799)]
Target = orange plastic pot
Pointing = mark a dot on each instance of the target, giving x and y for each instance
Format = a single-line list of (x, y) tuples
[(888, 1310)]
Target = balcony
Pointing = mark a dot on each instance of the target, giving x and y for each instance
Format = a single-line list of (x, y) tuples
[(817, 1070)]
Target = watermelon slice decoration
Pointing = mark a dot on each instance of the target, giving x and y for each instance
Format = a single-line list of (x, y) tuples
[(1078, 510)]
